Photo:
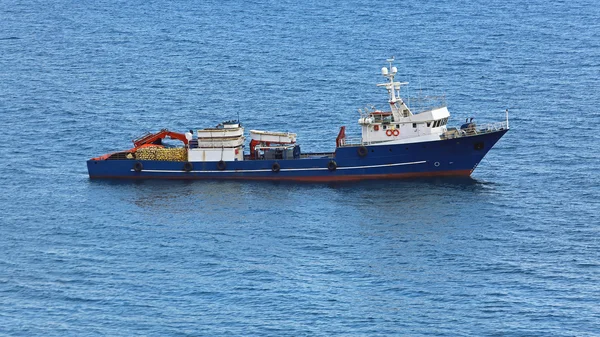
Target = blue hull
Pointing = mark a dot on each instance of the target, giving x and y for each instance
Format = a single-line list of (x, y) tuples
[(452, 157)]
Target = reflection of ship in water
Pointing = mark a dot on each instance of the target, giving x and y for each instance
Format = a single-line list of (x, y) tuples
[(186, 196)]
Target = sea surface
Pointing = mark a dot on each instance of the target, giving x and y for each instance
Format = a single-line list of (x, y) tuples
[(512, 251)]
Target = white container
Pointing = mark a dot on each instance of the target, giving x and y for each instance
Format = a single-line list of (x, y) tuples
[(220, 133), (215, 154), (273, 137), (220, 142)]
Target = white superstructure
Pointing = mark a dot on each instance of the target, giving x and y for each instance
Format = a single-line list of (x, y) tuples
[(223, 143), (399, 124)]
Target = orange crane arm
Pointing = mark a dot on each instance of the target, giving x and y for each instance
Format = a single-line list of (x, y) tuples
[(151, 138)]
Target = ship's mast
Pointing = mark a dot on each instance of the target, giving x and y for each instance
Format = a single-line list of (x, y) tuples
[(393, 88)]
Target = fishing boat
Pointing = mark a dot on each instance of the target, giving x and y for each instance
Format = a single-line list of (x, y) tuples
[(395, 142)]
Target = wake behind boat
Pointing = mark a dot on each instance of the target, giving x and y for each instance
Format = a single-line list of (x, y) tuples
[(394, 143)]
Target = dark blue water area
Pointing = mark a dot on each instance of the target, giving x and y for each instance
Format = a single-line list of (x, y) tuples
[(512, 251)]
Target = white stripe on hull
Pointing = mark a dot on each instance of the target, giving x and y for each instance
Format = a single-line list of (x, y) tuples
[(289, 169)]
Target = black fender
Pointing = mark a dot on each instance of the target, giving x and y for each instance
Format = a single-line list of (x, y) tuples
[(276, 167), (332, 165)]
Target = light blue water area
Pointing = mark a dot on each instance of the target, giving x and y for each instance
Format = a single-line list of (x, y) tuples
[(514, 251)]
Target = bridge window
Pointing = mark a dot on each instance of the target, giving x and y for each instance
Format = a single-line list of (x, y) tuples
[(415, 125)]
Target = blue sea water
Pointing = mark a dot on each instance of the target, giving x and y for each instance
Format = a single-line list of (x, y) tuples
[(513, 251)]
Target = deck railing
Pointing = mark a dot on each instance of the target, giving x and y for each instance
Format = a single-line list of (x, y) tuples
[(493, 126), (452, 133), (356, 141)]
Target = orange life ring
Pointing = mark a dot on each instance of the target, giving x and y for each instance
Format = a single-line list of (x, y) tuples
[(376, 127), (396, 133), (389, 132)]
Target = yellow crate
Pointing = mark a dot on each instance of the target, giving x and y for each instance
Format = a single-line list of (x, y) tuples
[(163, 154)]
